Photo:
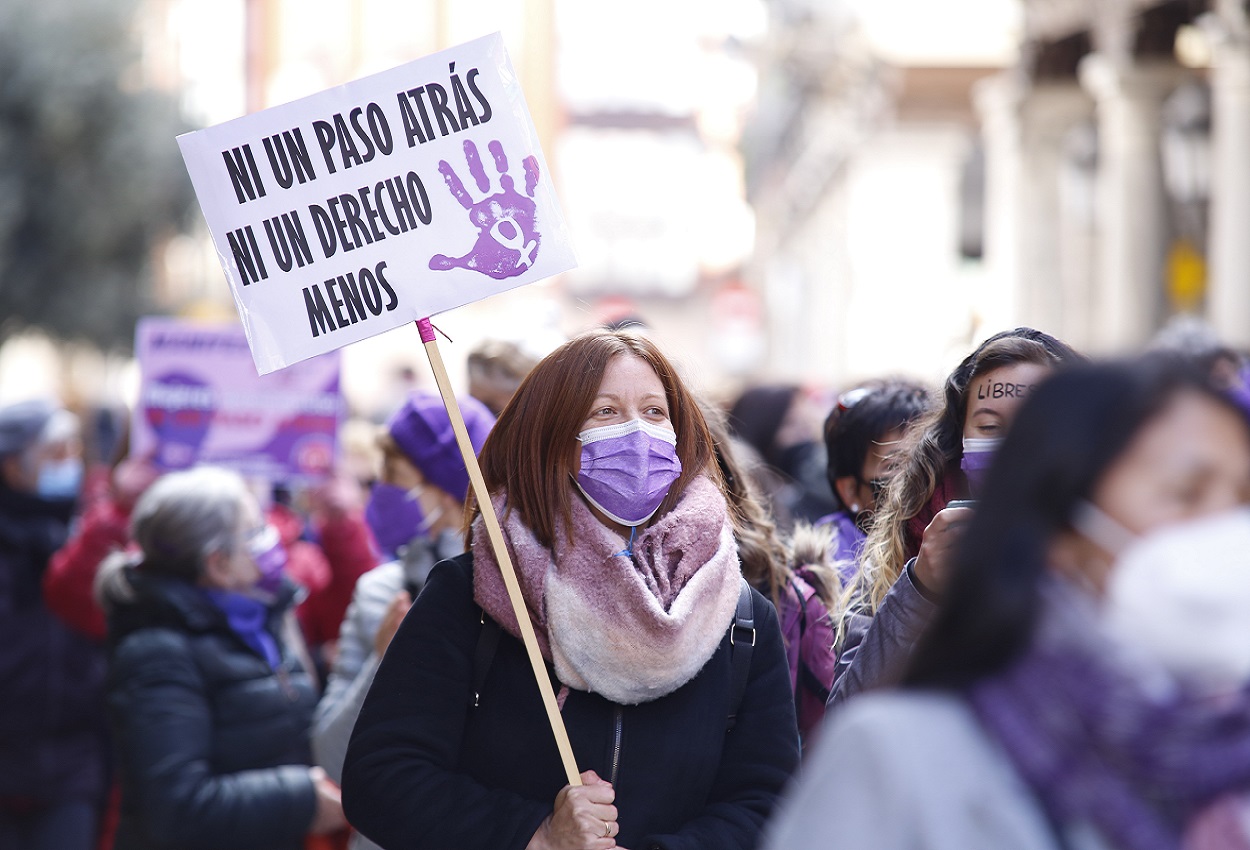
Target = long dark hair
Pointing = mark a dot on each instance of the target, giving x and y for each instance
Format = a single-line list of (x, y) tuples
[(1067, 434)]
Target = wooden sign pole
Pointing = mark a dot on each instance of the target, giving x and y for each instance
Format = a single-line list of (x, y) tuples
[(491, 521)]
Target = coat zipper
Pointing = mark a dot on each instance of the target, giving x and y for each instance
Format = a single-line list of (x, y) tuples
[(618, 717)]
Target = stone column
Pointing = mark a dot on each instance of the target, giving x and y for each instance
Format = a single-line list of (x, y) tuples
[(1131, 204), (1049, 112), (1078, 241), (998, 101), (1228, 249)]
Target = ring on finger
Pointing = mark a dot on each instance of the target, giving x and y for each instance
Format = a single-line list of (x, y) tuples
[(607, 829)]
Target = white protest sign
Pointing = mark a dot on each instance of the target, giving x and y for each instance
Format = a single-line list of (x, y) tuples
[(380, 202)]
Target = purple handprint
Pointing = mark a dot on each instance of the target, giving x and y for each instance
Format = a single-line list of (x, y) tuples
[(507, 241)]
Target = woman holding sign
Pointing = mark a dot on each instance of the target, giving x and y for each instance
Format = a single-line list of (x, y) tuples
[(682, 721)]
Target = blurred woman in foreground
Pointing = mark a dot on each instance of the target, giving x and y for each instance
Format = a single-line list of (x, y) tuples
[(1083, 684)]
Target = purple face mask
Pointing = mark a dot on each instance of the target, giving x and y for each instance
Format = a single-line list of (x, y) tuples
[(1240, 390), (627, 469), (394, 517), (269, 554), (978, 455)]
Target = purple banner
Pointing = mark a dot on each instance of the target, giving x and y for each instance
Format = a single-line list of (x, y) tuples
[(201, 401)]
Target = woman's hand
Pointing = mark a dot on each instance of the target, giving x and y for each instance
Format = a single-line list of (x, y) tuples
[(584, 818), (937, 548), (390, 621), (130, 479), (329, 814), (336, 498)]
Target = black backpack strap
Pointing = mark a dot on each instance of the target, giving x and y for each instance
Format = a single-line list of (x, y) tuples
[(741, 643), (809, 680), (483, 655)]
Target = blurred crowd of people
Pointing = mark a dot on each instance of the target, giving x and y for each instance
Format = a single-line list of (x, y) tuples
[(1004, 612)]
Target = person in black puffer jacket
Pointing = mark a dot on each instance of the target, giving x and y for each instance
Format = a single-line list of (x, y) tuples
[(53, 746), (209, 692)]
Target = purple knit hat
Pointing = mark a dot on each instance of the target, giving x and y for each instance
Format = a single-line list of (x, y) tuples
[(422, 430)]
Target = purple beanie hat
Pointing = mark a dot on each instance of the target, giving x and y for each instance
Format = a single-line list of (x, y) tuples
[(422, 430)]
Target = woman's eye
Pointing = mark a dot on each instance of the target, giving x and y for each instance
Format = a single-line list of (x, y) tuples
[(1187, 495)]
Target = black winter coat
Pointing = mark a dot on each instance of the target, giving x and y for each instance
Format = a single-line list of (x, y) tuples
[(212, 742), (427, 771), (53, 745)]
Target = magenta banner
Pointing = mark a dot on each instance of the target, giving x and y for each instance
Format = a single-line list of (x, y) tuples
[(201, 401)]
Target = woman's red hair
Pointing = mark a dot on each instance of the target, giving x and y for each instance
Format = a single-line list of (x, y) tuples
[(529, 455)]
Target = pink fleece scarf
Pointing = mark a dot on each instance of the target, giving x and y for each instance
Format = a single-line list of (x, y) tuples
[(631, 629)]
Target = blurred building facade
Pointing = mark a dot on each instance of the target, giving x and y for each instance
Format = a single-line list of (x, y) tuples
[(1092, 180), (1120, 144), (866, 172)]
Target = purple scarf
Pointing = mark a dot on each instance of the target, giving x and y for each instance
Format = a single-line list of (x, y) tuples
[(631, 626), (1096, 746), (247, 618)]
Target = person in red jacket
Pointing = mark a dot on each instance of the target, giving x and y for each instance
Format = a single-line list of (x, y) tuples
[(103, 528)]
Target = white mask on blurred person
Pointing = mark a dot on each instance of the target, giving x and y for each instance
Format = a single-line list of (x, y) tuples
[(1179, 596)]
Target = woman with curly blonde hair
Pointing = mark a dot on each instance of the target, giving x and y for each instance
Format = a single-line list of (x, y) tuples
[(907, 554)]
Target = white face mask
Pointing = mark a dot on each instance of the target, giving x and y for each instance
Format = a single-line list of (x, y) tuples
[(1180, 595)]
